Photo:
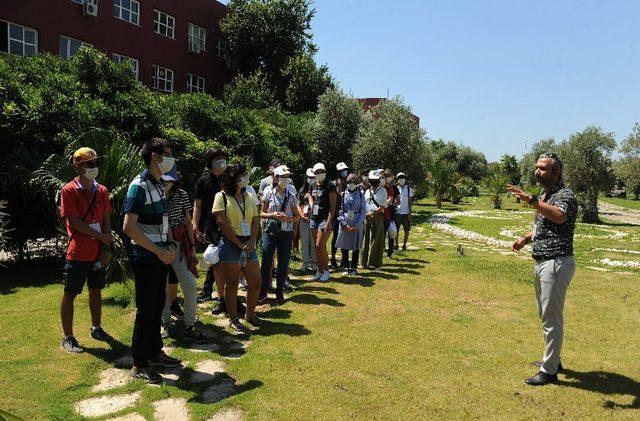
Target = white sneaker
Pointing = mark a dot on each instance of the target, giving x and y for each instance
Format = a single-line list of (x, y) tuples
[(325, 276), (317, 276), (346, 272)]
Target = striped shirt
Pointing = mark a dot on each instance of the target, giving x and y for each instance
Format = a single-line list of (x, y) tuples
[(146, 199), (177, 206)]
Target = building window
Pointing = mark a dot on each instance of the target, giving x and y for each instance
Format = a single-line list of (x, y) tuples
[(163, 24), (222, 48), (118, 58), (18, 39), (162, 79), (195, 83), (127, 10), (70, 46), (197, 36)]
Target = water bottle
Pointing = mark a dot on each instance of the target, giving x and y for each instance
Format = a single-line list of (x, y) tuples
[(243, 259), (97, 266)]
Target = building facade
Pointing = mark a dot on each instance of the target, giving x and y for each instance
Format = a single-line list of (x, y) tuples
[(173, 46)]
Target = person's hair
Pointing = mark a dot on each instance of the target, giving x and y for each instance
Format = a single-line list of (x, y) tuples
[(212, 154), (306, 187), (177, 185), (231, 176), (387, 174), (155, 144), (557, 165)]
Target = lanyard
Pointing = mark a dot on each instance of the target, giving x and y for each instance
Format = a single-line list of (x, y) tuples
[(243, 207)]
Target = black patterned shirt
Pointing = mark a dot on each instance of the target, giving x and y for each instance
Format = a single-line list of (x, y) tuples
[(552, 240)]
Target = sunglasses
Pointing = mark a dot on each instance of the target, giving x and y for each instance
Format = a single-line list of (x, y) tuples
[(549, 155), (91, 164)]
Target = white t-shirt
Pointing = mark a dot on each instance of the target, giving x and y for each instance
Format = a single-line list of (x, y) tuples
[(253, 194), (406, 192), (380, 197)]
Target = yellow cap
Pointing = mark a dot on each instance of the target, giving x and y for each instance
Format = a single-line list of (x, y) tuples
[(83, 155)]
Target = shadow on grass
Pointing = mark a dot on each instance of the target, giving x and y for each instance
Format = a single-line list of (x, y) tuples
[(31, 274), (355, 280), (276, 313), (271, 328), (116, 350), (222, 388), (605, 383), (306, 298), (312, 288)]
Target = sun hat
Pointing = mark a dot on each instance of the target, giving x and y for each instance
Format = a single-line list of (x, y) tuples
[(84, 154), (310, 173), (341, 166), (171, 175), (350, 177), (374, 175), (281, 170), (401, 174), (319, 167)]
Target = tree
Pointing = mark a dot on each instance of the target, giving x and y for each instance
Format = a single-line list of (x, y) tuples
[(389, 138), (509, 167), (305, 83), (440, 178), (469, 163), (588, 169), (462, 186), (496, 182), (628, 167), (252, 91), (336, 126)]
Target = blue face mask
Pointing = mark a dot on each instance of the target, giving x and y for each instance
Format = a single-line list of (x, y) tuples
[(344, 173)]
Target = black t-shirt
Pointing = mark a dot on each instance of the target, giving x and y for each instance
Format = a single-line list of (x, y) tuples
[(206, 188), (321, 199)]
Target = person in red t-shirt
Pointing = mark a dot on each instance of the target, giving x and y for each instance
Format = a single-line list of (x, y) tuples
[(85, 207), (390, 211)]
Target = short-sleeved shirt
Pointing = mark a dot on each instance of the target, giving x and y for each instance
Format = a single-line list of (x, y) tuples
[(146, 199), (320, 194), (177, 207), (276, 202), (406, 193), (552, 240), (75, 201), (236, 211), (264, 183), (376, 198), (206, 188), (392, 191)]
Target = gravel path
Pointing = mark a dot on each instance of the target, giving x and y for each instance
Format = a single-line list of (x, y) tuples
[(618, 213)]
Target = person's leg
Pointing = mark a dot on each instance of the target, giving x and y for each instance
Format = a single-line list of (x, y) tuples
[(251, 273), (268, 251), (284, 246), (75, 274), (354, 259), (95, 306), (334, 238), (143, 342), (555, 277), (231, 275), (305, 244), (345, 258), (367, 240), (188, 285), (315, 236), (159, 293), (321, 249), (66, 312)]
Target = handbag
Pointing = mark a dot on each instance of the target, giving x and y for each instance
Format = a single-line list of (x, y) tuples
[(273, 226)]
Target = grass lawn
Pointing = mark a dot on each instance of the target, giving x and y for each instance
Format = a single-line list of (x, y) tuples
[(626, 203), (431, 336)]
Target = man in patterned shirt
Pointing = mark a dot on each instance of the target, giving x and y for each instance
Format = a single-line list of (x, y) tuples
[(552, 238)]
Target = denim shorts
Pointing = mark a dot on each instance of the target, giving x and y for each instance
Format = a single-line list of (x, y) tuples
[(230, 253), (317, 225), (77, 273)]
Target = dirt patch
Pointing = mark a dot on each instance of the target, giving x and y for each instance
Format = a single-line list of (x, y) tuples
[(111, 378), (105, 405), (207, 370), (229, 414), (618, 213), (217, 392), (172, 409)]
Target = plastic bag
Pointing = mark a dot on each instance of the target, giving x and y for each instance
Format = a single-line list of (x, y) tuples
[(211, 255), (393, 230)]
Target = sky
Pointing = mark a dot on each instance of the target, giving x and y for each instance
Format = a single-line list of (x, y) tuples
[(495, 75)]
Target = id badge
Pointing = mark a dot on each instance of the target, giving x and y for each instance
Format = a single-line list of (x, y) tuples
[(350, 215), (246, 229), (316, 210), (165, 224), (96, 226), (305, 209)]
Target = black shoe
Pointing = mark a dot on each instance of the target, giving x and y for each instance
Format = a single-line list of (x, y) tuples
[(334, 263), (279, 298), (204, 296), (176, 311), (240, 308), (147, 374), (254, 320), (99, 334), (191, 334), (541, 379), (238, 327), (71, 345), (163, 360), (220, 307), (287, 287), (262, 298), (539, 364)]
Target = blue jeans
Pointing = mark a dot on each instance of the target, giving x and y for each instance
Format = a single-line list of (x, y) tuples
[(283, 242)]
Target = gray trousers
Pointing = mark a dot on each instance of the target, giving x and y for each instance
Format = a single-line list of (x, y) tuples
[(307, 244), (188, 285), (552, 278)]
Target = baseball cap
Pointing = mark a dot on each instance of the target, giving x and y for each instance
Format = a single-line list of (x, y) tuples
[(310, 173), (171, 175), (319, 166), (401, 174), (341, 166), (281, 170), (374, 175), (84, 154)]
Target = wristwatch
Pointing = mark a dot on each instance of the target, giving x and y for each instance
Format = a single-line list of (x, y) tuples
[(534, 200)]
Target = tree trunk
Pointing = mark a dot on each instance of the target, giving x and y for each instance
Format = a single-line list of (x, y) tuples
[(438, 202), (590, 211)]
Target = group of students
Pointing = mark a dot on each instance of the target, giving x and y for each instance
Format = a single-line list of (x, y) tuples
[(164, 229)]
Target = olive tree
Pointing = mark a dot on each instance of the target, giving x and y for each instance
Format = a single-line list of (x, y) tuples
[(628, 166)]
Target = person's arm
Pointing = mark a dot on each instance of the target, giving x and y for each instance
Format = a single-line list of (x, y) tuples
[(332, 211), (554, 213), (410, 201), (197, 211), (265, 214), (251, 243), (106, 226), (521, 242), (133, 231), (79, 225)]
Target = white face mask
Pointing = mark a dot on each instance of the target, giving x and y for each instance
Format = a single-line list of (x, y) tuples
[(284, 182), (311, 181), (91, 173), (382, 182), (321, 177), (167, 164), (351, 186), (402, 181), (244, 181), (219, 164)]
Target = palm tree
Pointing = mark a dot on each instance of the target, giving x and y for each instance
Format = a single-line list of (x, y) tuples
[(119, 163), (496, 182), (440, 179), (461, 187)]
